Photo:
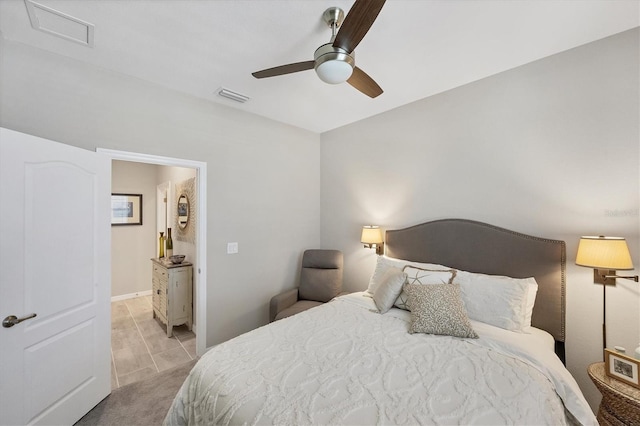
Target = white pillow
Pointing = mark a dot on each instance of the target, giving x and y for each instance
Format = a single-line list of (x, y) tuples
[(421, 276), (531, 300), (497, 300), (384, 263), (390, 287)]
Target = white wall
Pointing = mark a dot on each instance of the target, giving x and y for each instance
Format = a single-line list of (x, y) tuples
[(263, 177), (176, 175), (549, 149), (132, 246)]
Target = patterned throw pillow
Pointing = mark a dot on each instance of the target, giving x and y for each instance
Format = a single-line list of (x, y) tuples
[(422, 276), (383, 263), (438, 309)]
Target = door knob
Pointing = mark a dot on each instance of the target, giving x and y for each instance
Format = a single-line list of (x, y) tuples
[(12, 320)]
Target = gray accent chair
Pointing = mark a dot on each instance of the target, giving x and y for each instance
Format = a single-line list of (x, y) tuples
[(320, 281)]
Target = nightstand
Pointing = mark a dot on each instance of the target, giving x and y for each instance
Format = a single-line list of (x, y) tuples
[(620, 404), (172, 293)]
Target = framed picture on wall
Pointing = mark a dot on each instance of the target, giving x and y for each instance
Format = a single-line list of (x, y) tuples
[(126, 209), (622, 367)]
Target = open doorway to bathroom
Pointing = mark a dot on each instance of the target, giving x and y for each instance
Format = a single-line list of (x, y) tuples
[(144, 339)]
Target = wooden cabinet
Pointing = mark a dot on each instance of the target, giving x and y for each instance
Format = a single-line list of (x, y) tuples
[(172, 293), (620, 404)]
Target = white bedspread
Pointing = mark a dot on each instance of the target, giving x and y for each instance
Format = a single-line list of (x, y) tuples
[(341, 363)]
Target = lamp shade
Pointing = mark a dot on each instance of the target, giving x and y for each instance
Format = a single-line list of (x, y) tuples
[(371, 235), (604, 253)]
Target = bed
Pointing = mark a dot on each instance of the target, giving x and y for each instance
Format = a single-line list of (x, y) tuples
[(346, 362)]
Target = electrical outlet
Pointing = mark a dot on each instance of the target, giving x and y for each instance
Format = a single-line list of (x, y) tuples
[(232, 248)]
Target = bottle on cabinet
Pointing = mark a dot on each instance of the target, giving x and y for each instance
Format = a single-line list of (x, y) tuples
[(169, 243), (161, 243)]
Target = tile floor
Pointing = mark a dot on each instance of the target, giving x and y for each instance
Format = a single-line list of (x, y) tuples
[(139, 344)]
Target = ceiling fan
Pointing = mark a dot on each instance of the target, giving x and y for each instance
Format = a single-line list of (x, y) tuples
[(334, 62)]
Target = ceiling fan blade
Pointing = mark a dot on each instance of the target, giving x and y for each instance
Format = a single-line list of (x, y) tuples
[(284, 69), (361, 81), (356, 24)]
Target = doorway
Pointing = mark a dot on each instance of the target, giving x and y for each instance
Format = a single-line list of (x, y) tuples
[(199, 273)]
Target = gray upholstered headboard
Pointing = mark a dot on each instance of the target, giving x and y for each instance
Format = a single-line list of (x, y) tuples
[(482, 248)]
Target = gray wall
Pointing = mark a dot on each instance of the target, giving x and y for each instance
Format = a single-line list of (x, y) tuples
[(549, 149), (133, 246), (263, 187)]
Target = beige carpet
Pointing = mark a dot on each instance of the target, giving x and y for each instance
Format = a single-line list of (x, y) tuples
[(144, 403)]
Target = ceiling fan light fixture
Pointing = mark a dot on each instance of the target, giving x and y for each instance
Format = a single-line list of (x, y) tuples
[(334, 72), (333, 64)]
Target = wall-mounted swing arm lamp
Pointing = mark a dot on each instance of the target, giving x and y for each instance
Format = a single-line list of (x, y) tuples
[(372, 236), (605, 255)]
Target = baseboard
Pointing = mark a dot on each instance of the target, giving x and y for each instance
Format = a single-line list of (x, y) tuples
[(130, 295)]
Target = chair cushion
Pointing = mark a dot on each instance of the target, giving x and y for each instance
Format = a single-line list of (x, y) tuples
[(322, 259), (296, 308), (281, 302), (321, 275), (320, 285)]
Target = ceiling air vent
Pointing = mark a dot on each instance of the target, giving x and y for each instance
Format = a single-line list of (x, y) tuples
[(60, 24), (234, 96)]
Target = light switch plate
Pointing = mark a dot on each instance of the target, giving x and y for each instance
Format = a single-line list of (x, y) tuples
[(232, 248)]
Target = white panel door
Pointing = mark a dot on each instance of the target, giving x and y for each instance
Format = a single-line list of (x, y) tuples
[(55, 263)]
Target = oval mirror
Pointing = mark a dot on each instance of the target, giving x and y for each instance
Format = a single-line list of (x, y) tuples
[(183, 211)]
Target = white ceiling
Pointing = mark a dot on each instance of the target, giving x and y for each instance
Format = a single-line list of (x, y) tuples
[(416, 48)]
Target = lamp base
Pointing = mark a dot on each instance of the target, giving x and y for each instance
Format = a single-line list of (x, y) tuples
[(600, 276)]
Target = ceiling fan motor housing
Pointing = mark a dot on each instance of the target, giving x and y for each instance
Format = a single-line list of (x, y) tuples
[(333, 64), (333, 16)]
